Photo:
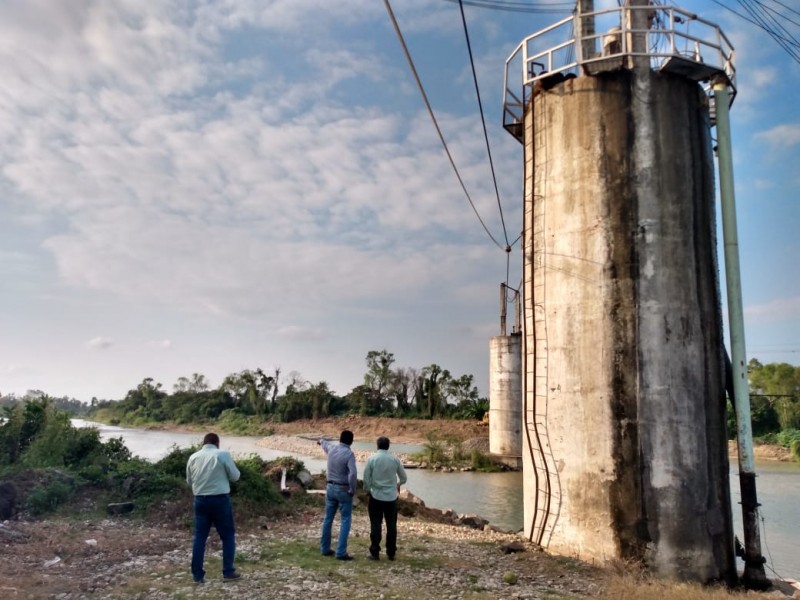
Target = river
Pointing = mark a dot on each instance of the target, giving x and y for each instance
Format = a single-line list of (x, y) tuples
[(498, 496)]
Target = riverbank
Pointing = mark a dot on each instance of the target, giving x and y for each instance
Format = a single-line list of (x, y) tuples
[(279, 558)]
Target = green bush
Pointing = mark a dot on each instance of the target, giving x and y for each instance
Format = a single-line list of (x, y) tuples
[(174, 463), (253, 487), (292, 465), (795, 447), (787, 437), (46, 498)]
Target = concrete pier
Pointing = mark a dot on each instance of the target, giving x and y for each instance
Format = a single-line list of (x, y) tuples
[(505, 399), (624, 443)]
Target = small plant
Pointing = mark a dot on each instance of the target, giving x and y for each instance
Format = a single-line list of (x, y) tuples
[(510, 578)]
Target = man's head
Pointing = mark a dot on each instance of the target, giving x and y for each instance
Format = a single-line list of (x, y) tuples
[(346, 437), (211, 438), (383, 443)]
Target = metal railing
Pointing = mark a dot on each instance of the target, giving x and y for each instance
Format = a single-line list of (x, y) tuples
[(675, 40)]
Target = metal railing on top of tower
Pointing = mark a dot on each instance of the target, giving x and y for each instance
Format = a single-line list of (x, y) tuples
[(675, 41)]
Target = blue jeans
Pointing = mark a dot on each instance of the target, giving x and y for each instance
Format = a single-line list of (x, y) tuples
[(216, 511), (336, 497)]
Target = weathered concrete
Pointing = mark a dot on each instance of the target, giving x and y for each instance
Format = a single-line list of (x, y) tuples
[(624, 446), (505, 397)]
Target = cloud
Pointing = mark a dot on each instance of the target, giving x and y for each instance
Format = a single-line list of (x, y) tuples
[(775, 310), (165, 344), (300, 333), (99, 343), (781, 137)]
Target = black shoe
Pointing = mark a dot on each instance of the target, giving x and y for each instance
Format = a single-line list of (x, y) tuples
[(373, 557), (199, 581), (346, 557), (390, 557), (328, 553), (232, 577)]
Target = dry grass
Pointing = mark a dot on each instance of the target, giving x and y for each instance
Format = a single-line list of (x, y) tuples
[(635, 587)]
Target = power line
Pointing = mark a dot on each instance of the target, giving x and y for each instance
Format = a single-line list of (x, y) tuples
[(522, 7), (759, 14), (483, 122), (435, 122), (777, 37)]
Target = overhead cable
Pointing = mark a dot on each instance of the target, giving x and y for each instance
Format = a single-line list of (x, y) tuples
[(522, 7), (483, 122), (435, 122)]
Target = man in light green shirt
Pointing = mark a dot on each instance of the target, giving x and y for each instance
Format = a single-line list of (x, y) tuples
[(209, 472), (383, 476)]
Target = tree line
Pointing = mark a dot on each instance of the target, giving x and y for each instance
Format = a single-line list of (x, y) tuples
[(387, 390)]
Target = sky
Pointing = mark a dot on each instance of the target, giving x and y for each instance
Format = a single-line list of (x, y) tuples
[(212, 186)]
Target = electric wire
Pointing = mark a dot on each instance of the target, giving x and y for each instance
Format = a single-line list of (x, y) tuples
[(521, 7), (782, 41), (778, 38), (483, 122), (760, 8), (435, 122), (781, 15), (789, 8)]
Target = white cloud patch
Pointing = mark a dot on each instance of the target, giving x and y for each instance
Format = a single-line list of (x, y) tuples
[(775, 310), (99, 343), (300, 333), (782, 136), (162, 344)]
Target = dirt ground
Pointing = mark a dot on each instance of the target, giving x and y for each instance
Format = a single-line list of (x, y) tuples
[(400, 431)]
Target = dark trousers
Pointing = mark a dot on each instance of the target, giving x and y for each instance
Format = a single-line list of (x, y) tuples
[(215, 511), (380, 511)]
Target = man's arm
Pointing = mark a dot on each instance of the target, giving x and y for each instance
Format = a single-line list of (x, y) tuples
[(401, 475), (325, 445), (189, 473), (230, 467), (352, 474), (368, 475)]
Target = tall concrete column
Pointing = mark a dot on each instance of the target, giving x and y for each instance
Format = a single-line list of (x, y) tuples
[(505, 398), (625, 452)]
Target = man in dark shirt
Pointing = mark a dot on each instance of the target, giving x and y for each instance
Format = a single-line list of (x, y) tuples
[(341, 488)]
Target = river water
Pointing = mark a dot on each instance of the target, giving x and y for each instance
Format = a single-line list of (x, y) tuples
[(498, 496)]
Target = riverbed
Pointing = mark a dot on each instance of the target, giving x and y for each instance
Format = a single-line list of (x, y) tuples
[(498, 496)]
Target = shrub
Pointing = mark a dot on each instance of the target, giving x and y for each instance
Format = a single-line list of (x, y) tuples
[(174, 463), (47, 497), (253, 487), (787, 437), (795, 447)]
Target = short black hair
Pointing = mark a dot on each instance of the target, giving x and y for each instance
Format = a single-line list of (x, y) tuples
[(383, 443), (211, 438), (346, 437)]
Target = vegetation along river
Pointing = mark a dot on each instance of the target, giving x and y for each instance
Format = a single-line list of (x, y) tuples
[(498, 496)]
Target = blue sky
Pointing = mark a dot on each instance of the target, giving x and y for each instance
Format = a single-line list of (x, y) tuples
[(214, 186)]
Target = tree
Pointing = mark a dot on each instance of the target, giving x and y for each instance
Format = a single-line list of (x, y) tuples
[(433, 397), (379, 370), (197, 383), (779, 385)]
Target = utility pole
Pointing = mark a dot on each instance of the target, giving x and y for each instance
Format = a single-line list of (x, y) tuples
[(754, 576)]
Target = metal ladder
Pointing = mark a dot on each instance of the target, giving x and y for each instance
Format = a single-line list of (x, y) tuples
[(548, 489)]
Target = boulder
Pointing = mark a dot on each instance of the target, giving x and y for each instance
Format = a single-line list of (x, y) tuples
[(409, 497), (305, 478), (120, 508), (472, 520), (9, 498)]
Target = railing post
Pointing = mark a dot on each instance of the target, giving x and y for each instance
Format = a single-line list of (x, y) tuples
[(586, 30)]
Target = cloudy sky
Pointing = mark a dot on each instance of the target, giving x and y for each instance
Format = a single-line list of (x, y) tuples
[(210, 186)]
